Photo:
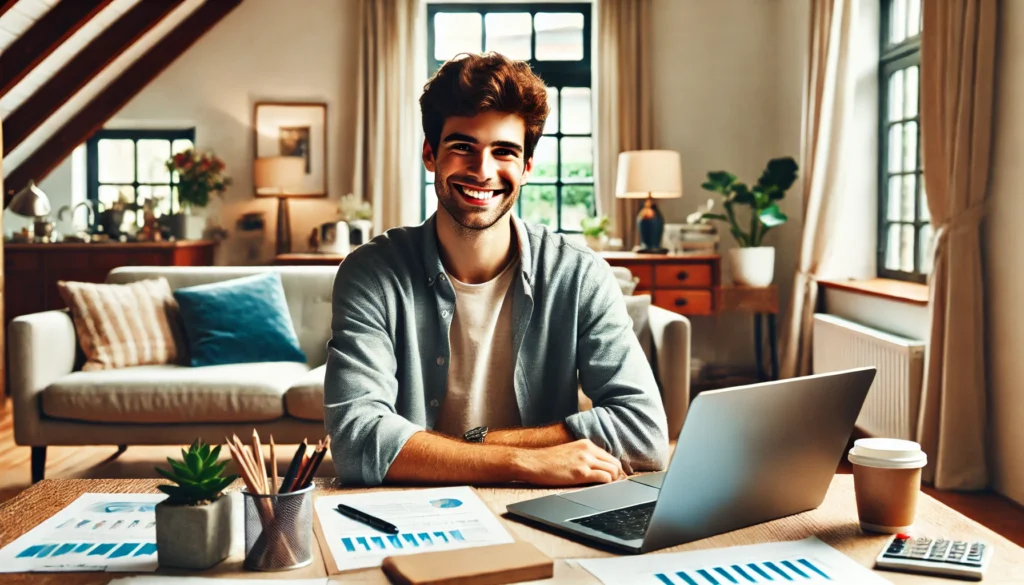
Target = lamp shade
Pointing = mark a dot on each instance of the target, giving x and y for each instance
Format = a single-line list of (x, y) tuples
[(273, 176), (30, 202), (649, 173)]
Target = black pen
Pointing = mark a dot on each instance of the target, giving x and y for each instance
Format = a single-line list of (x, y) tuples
[(371, 521)]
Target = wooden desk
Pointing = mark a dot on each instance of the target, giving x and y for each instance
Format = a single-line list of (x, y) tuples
[(835, 522), (309, 259)]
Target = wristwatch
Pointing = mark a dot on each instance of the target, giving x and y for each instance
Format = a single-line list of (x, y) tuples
[(475, 435)]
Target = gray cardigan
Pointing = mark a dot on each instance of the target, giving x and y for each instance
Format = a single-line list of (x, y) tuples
[(387, 361)]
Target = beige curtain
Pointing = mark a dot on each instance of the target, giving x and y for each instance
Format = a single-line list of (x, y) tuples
[(958, 46), (838, 163), (624, 102), (390, 78)]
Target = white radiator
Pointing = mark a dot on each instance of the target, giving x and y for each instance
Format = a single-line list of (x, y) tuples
[(892, 404)]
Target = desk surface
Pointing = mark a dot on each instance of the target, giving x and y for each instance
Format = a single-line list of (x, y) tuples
[(835, 522)]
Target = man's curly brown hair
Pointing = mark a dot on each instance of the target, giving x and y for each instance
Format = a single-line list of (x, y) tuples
[(470, 84)]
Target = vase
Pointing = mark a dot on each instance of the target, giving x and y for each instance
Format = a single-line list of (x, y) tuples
[(597, 243), (193, 537), (753, 266)]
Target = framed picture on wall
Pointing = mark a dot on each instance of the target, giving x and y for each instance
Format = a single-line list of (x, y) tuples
[(295, 129)]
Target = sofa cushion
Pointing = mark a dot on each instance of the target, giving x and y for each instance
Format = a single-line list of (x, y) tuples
[(638, 307), (174, 394), (244, 320), (305, 399)]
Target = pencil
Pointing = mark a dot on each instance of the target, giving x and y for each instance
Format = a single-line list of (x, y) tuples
[(316, 465), (293, 468), (261, 464), (273, 466)]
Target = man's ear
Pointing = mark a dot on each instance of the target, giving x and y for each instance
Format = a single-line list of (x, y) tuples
[(527, 169), (428, 156)]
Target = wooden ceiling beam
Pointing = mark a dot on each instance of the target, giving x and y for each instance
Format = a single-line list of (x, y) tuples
[(95, 57), (6, 5), (114, 97), (45, 35)]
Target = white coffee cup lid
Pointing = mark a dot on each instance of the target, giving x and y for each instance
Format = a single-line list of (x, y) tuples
[(888, 454)]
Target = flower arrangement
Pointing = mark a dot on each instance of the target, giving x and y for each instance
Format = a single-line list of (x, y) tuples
[(199, 175), (351, 207)]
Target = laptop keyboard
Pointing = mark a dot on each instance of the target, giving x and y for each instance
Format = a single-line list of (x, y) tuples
[(625, 523)]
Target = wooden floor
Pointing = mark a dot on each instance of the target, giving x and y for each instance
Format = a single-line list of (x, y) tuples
[(994, 511)]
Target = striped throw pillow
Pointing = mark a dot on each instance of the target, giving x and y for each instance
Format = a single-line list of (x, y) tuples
[(122, 325)]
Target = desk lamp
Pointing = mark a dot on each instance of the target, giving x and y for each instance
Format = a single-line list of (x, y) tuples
[(650, 175)]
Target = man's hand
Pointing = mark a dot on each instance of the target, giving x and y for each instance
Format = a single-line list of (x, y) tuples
[(571, 464)]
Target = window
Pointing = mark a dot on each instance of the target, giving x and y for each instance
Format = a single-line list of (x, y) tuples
[(554, 39), (130, 165), (904, 231)]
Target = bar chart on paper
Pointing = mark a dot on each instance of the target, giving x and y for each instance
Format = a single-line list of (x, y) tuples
[(803, 562)]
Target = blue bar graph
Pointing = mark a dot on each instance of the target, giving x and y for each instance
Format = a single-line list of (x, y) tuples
[(362, 540), (378, 542), (47, 549), (349, 545), (665, 580), (794, 570), (395, 541), (411, 539), (147, 549), (721, 571), (707, 576), (83, 547), (359, 544), (776, 568), (457, 535), (442, 536), (30, 551), (102, 550), (63, 549), (124, 550)]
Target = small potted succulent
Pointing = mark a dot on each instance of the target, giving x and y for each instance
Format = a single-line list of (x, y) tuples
[(595, 230), (193, 525)]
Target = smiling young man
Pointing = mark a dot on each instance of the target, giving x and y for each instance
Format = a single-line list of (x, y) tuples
[(458, 345)]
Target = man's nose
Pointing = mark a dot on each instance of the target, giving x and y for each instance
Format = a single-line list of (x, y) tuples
[(484, 167)]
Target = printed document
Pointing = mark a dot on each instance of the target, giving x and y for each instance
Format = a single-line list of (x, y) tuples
[(427, 520)]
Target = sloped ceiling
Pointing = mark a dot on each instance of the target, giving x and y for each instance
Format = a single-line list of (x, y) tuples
[(144, 36)]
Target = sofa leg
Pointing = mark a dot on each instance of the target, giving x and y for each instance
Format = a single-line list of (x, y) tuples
[(120, 449), (38, 463)]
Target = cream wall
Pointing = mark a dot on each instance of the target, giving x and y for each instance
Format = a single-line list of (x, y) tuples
[(264, 50), (727, 95), (1003, 262)]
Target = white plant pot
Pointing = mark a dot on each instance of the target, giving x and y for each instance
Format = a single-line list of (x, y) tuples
[(193, 537), (597, 243), (753, 266)]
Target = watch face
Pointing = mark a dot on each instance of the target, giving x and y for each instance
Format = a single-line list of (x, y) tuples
[(476, 435)]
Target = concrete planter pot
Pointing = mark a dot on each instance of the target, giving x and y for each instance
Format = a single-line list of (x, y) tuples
[(193, 537)]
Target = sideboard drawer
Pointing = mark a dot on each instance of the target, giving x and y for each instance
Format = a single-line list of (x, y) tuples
[(682, 275), (644, 273), (686, 302)]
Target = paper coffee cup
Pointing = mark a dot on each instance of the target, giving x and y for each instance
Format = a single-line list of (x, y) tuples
[(886, 481)]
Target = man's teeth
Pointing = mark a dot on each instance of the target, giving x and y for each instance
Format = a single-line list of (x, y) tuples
[(484, 195)]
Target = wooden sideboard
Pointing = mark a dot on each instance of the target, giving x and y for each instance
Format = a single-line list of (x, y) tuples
[(31, 271), (684, 284)]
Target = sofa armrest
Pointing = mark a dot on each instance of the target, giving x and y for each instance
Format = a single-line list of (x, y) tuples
[(671, 335), (41, 347)]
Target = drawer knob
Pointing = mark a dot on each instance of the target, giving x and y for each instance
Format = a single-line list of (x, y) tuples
[(680, 302), (683, 275)]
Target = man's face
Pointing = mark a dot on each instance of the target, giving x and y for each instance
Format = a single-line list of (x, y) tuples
[(478, 167)]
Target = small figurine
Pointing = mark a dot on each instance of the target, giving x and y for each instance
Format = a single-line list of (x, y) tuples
[(150, 231), (314, 240)]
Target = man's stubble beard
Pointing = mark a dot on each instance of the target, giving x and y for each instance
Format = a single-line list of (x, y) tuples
[(450, 204)]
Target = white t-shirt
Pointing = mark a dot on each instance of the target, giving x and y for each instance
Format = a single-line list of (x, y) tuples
[(481, 390)]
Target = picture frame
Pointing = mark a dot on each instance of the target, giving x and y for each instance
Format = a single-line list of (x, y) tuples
[(294, 129)]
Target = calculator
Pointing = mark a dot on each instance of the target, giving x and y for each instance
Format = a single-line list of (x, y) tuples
[(938, 556)]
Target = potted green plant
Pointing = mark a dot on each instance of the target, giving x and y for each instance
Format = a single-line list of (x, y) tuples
[(198, 176), (753, 263), (357, 214), (595, 230), (193, 525)]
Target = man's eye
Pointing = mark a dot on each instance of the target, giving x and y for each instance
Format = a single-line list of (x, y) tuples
[(461, 147), (504, 152)]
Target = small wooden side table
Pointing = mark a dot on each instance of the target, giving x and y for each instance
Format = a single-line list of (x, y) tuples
[(308, 259), (762, 302)]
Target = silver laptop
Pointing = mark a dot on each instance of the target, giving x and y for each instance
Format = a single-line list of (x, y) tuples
[(745, 455)]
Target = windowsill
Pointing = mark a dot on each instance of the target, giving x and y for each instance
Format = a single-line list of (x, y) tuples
[(886, 288)]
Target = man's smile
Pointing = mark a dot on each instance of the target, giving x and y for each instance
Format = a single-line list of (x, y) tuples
[(476, 196)]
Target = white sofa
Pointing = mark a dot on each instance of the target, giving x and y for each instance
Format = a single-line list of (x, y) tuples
[(57, 404)]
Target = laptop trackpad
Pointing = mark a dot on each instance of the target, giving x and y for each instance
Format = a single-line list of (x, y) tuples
[(620, 494)]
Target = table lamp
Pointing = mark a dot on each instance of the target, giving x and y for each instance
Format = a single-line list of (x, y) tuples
[(274, 176), (650, 175)]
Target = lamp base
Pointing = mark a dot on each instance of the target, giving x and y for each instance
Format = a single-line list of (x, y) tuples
[(650, 225), (284, 227)]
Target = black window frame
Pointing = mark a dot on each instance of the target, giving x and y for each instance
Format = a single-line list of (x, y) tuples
[(556, 74), (893, 58), (135, 135)]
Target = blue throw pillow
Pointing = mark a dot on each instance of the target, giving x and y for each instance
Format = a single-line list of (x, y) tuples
[(239, 321)]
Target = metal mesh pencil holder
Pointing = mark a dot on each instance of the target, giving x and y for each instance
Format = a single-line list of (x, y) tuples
[(278, 530)]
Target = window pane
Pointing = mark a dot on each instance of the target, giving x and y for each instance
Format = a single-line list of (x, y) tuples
[(545, 161), (913, 18), (431, 200), (893, 211), (456, 32), (161, 192), (925, 248), (913, 83), (895, 147), (110, 194), (895, 95), (559, 36), (538, 204), (577, 203), (153, 155), (909, 197), (577, 159), (898, 21), (892, 247), (508, 33), (551, 124), (910, 146), (576, 110), (907, 248), (925, 215), (181, 144), (116, 161)]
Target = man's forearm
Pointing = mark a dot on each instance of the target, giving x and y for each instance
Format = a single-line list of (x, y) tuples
[(532, 438), (433, 458)]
